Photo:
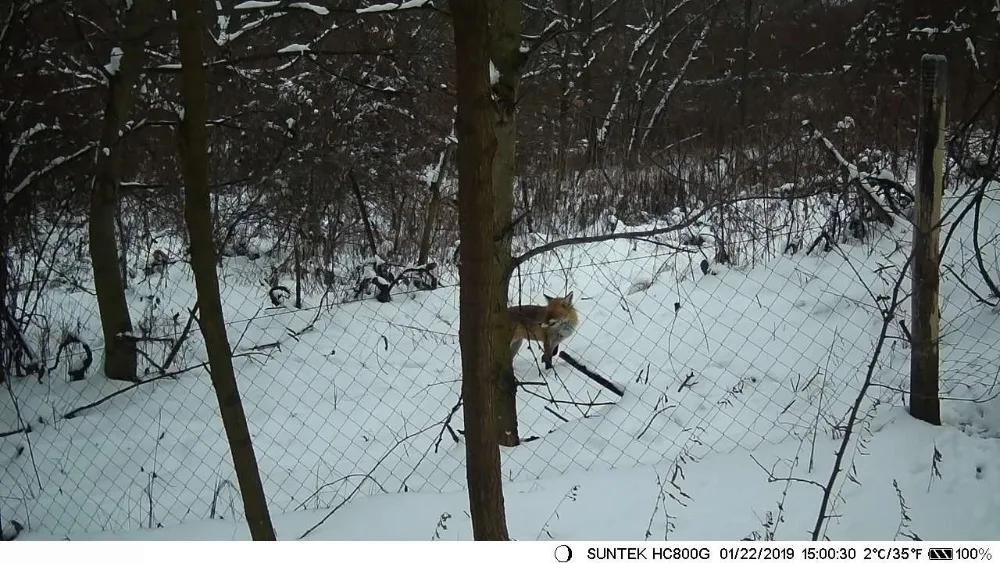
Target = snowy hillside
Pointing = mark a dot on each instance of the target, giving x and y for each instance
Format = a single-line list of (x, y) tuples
[(729, 378)]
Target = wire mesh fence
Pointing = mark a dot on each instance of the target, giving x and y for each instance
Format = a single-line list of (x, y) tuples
[(353, 397)]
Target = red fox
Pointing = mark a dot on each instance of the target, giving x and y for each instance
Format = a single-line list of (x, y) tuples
[(549, 325)]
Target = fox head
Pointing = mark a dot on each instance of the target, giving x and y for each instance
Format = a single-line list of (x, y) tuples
[(558, 308)]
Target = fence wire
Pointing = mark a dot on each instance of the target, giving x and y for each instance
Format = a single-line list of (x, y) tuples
[(354, 397)]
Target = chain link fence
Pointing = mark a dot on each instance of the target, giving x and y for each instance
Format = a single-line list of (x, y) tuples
[(710, 340)]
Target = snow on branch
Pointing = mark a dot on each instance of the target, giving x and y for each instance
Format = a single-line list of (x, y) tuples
[(854, 175), (692, 55), (22, 140), (43, 171), (393, 6), (263, 5), (294, 48), (306, 6), (255, 5), (115, 63)]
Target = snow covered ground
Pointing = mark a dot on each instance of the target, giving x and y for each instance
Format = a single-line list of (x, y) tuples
[(729, 498), (730, 379)]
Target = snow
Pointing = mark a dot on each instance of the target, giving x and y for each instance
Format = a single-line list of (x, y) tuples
[(494, 74), (728, 496), (971, 48), (115, 63), (261, 5), (734, 382), (40, 173), (390, 6), (318, 10), (294, 48), (256, 5)]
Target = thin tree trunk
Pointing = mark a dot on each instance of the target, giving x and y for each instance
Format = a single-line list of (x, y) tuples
[(505, 53), (298, 269), (198, 216), (586, 83), (6, 340), (120, 357), (369, 230), (563, 126), (433, 207), (479, 273)]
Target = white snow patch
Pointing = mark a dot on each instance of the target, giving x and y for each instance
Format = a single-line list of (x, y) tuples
[(256, 5), (319, 10), (971, 48), (114, 65), (390, 6), (294, 48)]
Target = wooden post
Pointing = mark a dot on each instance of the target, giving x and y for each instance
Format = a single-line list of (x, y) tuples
[(924, 363)]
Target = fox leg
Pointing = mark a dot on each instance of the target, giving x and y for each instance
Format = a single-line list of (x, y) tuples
[(547, 351), (515, 345)]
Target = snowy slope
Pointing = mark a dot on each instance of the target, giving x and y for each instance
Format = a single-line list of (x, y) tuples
[(764, 360)]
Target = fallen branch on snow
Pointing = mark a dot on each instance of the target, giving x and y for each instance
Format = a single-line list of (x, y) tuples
[(591, 374)]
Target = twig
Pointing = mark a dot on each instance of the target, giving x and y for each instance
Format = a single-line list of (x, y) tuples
[(887, 317), (553, 412), (446, 424), (102, 400), (659, 411), (23, 429), (554, 401), (976, 246), (27, 436), (172, 355), (772, 478), (964, 284), (378, 463), (363, 476)]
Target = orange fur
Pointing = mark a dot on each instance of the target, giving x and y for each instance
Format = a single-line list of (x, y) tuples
[(549, 325)]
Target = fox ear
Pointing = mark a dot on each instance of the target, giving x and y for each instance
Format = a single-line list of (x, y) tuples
[(569, 298), (547, 298)]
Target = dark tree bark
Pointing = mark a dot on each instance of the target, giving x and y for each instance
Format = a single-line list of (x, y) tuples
[(505, 53), (120, 357), (198, 216), (363, 210), (6, 339), (479, 272)]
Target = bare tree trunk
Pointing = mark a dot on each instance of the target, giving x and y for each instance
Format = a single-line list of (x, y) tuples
[(298, 269), (198, 216), (563, 126), (505, 54), (120, 357), (480, 276), (6, 340), (433, 207), (369, 230), (586, 82)]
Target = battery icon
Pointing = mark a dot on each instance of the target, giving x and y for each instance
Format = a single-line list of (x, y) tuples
[(941, 553)]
